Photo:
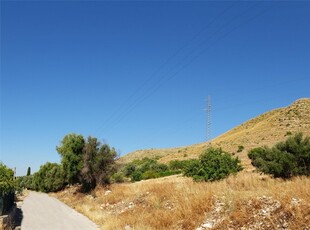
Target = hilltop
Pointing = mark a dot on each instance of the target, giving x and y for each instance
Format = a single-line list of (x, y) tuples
[(246, 200), (266, 129)]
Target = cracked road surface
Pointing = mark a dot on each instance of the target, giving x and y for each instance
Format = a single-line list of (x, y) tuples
[(40, 211)]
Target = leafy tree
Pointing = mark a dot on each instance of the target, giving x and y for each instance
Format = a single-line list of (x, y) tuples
[(49, 178), (285, 159), (71, 152), (7, 188), (6, 180), (98, 164), (213, 164), (105, 164)]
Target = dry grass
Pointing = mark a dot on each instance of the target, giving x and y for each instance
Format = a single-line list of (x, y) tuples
[(266, 129), (246, 200)]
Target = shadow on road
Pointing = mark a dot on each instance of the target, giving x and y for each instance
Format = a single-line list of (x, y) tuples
[(18, 218)]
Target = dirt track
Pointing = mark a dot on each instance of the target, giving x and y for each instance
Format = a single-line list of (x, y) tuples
[(40, 211)]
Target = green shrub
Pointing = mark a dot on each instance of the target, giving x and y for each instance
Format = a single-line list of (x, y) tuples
[(7, 188), (136, 175), (213, 164), (49, 178), (285, 159), (146, 169), (7, 184), (179, 165), (240, 148), (118, 177)]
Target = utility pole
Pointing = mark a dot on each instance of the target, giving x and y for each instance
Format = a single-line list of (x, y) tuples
[(209, 120)]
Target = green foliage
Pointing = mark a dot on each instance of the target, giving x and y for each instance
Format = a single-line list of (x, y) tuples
[(98, 164), (71, 152), (87, 162), (213, 164), (7, 184), (240, 148), (146, 169), (25, 182), (118, 177), (180, 165), (49, 178), (7, 188), (286, 159)]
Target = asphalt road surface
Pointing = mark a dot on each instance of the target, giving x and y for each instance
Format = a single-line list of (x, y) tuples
[(42, 212)]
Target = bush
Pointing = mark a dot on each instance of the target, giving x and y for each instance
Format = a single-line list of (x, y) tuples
[(213, 164), (7, 188), (180, 165), (50, 178), (240, 148), (118, 177), (146, 169), (285, 159)]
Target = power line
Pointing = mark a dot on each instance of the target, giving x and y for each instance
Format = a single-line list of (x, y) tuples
[(179, 67), (126, 103)]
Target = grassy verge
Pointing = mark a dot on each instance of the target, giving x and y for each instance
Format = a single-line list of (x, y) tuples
[(176, 202)]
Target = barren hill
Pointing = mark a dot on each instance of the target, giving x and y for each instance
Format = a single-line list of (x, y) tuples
[(266, 129)]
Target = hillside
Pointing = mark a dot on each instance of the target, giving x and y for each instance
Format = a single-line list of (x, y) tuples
[(246, 200), (266, 129)]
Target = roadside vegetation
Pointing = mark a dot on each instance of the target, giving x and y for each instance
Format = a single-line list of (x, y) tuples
[(7, 188), (83, 161), (231, 198)]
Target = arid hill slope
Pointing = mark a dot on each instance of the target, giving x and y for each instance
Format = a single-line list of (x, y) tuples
[(266, 129)]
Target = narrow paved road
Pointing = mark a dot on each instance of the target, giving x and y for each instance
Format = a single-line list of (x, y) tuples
[(40, 211)]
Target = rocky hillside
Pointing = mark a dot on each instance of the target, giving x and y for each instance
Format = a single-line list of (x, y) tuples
[(266, 129)]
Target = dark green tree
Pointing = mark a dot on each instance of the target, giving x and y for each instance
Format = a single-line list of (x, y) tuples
[(71, 152), (213, 164), (98, 164), (49, 178), (6, 179), (285, 159), (7, 188)]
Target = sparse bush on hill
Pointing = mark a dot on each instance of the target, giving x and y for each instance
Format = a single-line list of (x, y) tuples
[(146, 169), (180, 165), (240, 148), (286, 159), (213, 164)]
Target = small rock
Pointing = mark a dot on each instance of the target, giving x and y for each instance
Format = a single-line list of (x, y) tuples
[(207, 225), (107, 192), (127, 227)]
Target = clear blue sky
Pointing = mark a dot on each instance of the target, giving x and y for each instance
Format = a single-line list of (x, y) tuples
[(135, 74)]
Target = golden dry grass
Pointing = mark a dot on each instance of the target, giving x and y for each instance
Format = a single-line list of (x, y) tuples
[(245, 200), (266, 129)]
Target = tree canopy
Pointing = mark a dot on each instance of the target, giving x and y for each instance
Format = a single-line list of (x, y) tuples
[(213, 164), (286, 159)]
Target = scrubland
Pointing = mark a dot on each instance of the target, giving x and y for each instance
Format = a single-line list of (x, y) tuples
[(244, 201)]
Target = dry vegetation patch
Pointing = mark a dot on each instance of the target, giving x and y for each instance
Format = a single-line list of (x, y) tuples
[(245, 201)]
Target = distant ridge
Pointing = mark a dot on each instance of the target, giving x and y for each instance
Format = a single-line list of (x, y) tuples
[(266, 129)]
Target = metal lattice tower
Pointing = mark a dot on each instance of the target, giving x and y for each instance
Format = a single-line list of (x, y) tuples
[(209, 120)]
